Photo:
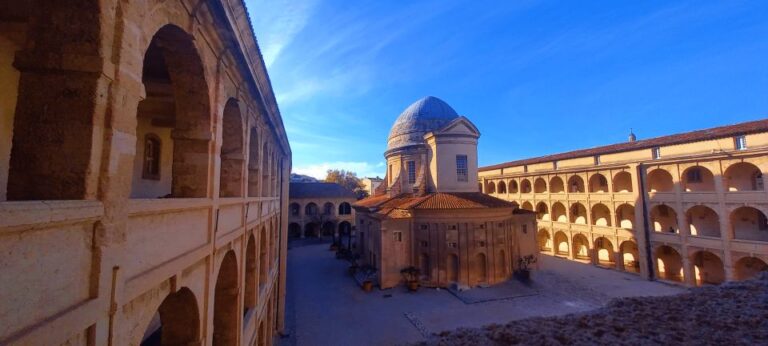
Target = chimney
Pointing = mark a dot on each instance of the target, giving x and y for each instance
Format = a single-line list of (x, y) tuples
[(632, 136)]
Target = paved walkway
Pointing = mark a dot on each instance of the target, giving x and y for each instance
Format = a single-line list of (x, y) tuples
[(326, 307)]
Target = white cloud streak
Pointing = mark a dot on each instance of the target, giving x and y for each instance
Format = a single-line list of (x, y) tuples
[(277, 22)]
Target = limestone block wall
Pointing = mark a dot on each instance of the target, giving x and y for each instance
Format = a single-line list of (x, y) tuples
[(91, 255)]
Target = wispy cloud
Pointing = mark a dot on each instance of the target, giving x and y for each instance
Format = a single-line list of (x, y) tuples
[(362, 169), (277, 22)]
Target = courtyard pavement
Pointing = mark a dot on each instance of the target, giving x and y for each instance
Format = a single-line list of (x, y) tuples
[(326, 307)]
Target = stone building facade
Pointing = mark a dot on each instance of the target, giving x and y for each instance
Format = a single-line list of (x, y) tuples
[(688, 208), (144, 169), (320, 210), (428, 213)]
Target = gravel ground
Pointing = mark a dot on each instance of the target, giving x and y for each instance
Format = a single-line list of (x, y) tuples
[(735, 313)]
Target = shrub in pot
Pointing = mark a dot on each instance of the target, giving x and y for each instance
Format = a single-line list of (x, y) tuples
[(411, 277), (523, 271)]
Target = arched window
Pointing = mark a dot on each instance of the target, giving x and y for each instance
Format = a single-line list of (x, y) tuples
[(345, 209), (295, 208), (328, 208), (151, 157)]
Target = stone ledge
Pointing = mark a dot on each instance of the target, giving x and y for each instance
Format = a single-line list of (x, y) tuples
[(28, 213)]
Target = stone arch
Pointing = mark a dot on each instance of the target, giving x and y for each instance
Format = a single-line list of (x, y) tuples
[(453, 268), (345, 208), (703, 221), (542, 211), (630, 256), (345, 228), (544, 240), (513, 188), (251, 271), (232, 153), (328, 228), (177, 109), (622, 182), (664, 219), (558, 212), (604, 251), (744, 176), (525, 186), (598, 183), (527, 206), (490, 187), (311, 230), (575, 184), (556, 185), (659, 180), (266, 187), (601, 215), (502, 187), (749, 223), (540, 185), (263, 257), (225, 313), (708, 269), (328, 208), (580, 247), (481, 268), (562, 245), (669, 263), (749, 267), (295, 209), (698, 178), (177, 321), (625, 216), (254, 167), (501, 264), (294, 230), (310, 209), (578, 213)]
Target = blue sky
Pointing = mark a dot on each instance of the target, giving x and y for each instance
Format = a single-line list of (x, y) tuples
[(536, 77)]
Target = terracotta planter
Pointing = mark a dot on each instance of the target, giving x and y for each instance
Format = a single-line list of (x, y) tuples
[(334, 248), (413, 286), (367, 286), (523, 275)]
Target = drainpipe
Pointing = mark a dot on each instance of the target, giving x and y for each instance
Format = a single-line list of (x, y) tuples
[(646, 227)]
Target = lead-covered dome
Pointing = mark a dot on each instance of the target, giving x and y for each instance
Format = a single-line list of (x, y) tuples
[(425, 115)]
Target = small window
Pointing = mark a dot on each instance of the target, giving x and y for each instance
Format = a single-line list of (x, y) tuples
[(398, 236), (411, 172), (694, 175), (151, 157), (482, 226), (481, 243), (424, 226), (424, 243), (525, 169), (656, 153), (389, 175), (597, 160), (453, 244), (525, 228), (740, 142), (554, 164), (462, 171)]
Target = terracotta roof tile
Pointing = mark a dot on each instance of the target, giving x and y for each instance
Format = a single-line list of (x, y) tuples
[(434, 201), (688, 137)]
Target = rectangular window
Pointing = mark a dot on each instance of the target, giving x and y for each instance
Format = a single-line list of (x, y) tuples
[(453, 244), (554, 164), (525, 169), (389, 176), (597, 160), (424, 243), (398, 236), (740, 142), (481, 243), (462, 171), (656, 153), (411, 172)]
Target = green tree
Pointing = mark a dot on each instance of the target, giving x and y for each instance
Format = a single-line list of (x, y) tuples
[(348, 180)]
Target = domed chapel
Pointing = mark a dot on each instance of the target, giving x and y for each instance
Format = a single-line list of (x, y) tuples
[(430, 214)]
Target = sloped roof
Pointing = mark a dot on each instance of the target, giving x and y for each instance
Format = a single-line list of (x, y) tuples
[(314, 190), (687, 137), (433, 201)]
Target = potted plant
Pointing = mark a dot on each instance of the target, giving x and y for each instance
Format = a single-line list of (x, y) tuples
[(411, 276), (335, 246), (368, 272), (523, 271)]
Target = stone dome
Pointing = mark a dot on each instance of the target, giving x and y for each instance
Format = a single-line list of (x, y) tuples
[(427, 114)]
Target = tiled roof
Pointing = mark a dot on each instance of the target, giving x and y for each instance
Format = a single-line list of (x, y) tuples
[(688, 137), (434, 201), (313, 190)]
